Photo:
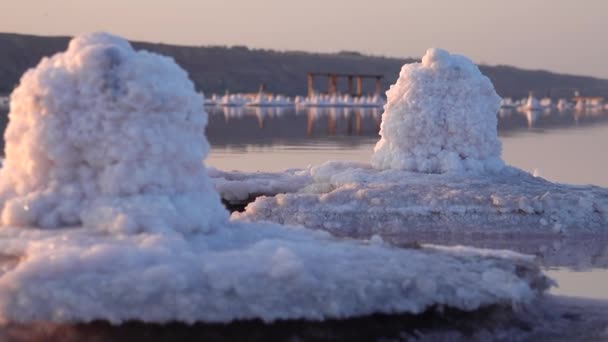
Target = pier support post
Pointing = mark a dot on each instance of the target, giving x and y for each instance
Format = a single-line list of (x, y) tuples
[(311, 90), (331, 122), (378, 85), (333, 84)]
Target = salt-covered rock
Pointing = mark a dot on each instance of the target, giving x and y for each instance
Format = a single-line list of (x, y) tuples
[(440, 117), (103, 136)]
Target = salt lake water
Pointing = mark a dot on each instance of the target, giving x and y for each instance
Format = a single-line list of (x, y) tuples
[(561, 146)]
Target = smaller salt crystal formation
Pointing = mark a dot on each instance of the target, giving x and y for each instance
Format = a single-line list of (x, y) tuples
[(108, 138), (440, 117)]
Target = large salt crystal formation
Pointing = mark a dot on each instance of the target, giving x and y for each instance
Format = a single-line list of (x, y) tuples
[(110, 138), (440, 117)]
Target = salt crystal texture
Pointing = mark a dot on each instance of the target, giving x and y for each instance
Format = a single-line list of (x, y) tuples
[(111, 141), (355, 199), (440, 117), (110, 138), (245, 271)]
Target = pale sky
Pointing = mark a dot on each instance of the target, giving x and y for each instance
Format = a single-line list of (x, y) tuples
[(559, 35)]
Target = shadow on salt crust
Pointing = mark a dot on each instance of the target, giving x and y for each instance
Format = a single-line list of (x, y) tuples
[(109, 214)]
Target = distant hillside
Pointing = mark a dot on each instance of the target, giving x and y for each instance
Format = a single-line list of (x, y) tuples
[(215, 69)]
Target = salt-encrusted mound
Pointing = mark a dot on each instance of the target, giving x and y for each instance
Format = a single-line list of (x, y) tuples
[(354, 199), (440, 117), (110, 138), (245, 271)]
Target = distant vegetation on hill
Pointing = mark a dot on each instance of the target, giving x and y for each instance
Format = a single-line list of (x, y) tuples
[(217, 69)]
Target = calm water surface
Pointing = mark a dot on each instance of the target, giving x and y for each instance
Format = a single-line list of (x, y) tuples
[(560, 146), (566, 147)]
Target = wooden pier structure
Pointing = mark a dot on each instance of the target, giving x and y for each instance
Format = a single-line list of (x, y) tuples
[(332, 82)]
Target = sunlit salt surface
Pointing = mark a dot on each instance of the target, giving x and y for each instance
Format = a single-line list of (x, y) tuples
[(557, 318), (109, 138), (440, 117), (108, 213)]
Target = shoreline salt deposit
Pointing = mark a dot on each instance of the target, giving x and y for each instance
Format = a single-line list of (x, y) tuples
[(109, 214)]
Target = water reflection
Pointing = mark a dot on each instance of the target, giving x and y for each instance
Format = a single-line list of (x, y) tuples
[(341, 121), (578, 263), (344, 125), (268, 126), (569, 260)]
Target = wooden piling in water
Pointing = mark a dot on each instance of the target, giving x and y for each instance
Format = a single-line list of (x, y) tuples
[(332, 83)]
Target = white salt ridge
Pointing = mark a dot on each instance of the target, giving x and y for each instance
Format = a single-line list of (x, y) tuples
[(242, 100), (577, 245), (101, 135), (269, 100), (354, 199), (440, 117)]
